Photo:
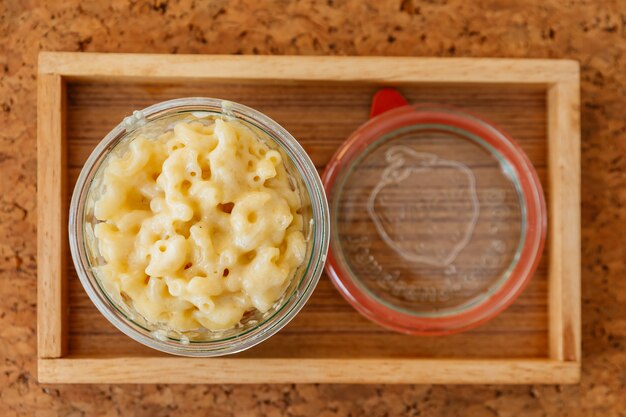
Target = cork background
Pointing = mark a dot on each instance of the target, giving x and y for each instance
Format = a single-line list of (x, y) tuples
[(591, 31)]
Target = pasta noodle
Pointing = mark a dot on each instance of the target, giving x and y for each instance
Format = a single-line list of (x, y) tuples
[(198, 225)]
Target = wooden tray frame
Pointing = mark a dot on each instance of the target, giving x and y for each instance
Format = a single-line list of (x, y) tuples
[(560, 78)]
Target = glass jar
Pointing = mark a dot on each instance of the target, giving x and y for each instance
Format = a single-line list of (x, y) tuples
[(253, 328), (438, 219)]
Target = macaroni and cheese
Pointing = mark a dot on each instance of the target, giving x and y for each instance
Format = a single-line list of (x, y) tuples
[(198, 225)]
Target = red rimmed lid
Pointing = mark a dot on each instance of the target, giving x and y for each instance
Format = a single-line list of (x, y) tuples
[(438, 218)]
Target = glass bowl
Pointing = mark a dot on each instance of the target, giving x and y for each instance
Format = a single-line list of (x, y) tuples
[(253, 328), (438, 219)]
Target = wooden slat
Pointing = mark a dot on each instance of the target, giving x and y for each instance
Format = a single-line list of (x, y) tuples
[(564, 221), (346, 345), (329, 326), (388, 70), (51, 217), (361, 371)]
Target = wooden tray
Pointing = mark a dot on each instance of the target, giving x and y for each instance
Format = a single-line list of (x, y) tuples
[(321, 100)]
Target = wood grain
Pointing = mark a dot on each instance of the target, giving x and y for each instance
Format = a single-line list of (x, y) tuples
[(321, 116), (51, 217), (376, 70), (249, 371), (564, 179), (329, 327)]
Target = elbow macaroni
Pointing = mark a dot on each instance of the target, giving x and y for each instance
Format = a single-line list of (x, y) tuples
[(198, 226)]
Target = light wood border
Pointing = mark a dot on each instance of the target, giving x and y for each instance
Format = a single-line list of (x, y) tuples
[(560, 78), (276, 371), (51, 217), (564, 220), (386, 70)]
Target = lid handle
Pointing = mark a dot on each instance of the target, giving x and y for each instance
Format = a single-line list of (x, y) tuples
[(385, 100)]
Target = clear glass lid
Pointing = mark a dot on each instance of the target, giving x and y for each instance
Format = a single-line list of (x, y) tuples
[(438, 219)]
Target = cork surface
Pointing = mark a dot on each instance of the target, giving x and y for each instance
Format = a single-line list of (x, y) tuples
[(592, 32)]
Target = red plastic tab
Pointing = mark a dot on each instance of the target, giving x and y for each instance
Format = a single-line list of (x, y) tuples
[(386, 99)]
